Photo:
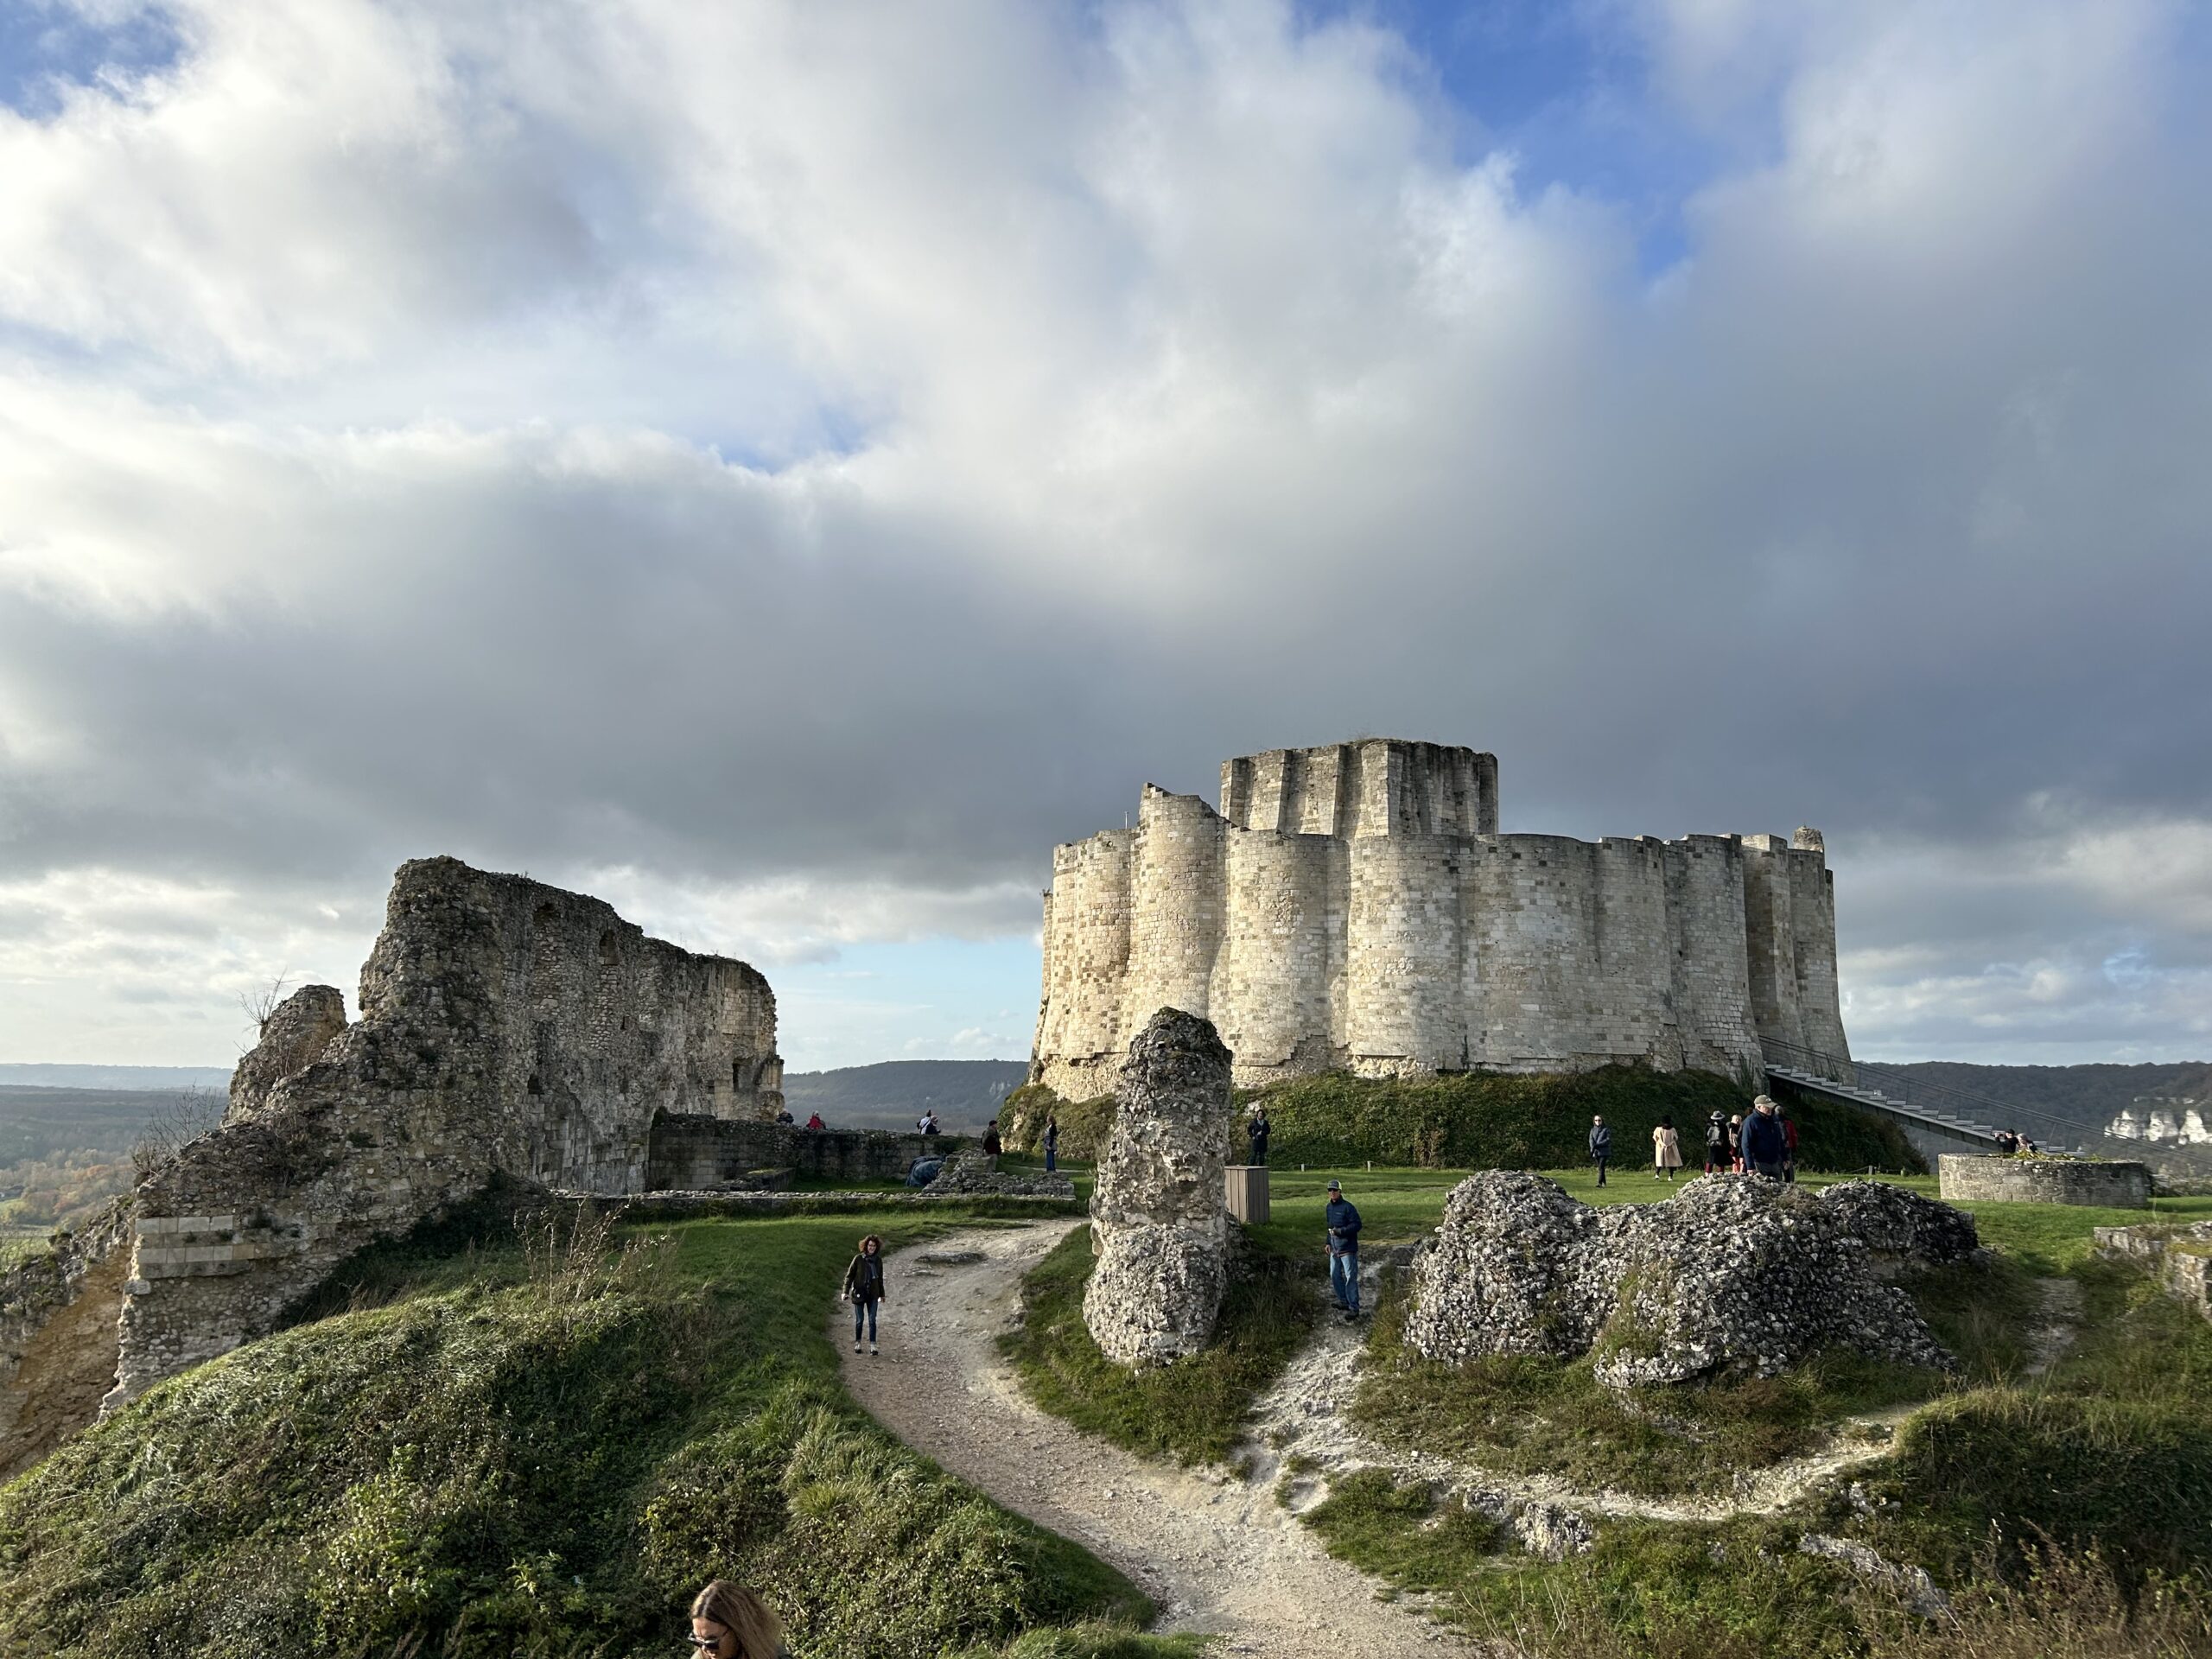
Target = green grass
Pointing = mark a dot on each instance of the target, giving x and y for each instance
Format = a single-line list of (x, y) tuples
[(1527, 1415), (1532, 1415), (1193, 1410), (540, 1452)]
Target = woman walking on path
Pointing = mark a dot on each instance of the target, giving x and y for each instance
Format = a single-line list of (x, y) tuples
[(1666, 1150), (864, 1288), (1052, 1144), (731, 1622), (1736, 1145)]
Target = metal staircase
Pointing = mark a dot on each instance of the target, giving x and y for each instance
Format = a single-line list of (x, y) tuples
[(1957, 1112)]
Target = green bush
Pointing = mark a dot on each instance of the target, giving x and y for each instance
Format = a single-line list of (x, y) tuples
[(1085, 1125)]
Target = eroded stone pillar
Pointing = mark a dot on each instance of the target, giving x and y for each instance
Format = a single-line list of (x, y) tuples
[(1158, 1216)]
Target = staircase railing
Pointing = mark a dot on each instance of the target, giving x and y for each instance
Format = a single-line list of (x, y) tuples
[(1909, 1090)]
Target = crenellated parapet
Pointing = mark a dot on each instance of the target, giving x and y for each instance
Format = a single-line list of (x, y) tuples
[(1356, 906)]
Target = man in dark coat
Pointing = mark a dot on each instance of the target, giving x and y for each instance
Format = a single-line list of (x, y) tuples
[(1257, 1131), (1342, 1219), (1601, 1146), (1765, 1146)]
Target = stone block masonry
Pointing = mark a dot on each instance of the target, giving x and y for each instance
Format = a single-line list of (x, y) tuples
[(1970, 1178), (507, 1027), (1356, 907)]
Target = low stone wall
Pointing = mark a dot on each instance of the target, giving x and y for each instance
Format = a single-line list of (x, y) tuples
[(684, 1206), (2180, 1257), (692, 1150), (1962, 1178)]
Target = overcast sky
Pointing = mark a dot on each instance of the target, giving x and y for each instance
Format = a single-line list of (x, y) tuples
[(784, 467)]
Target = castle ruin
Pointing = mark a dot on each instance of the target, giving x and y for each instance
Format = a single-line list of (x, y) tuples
[(507, 1028), (1356, 907)]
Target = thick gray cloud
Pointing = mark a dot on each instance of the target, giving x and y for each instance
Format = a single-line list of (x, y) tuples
[(794, 467)]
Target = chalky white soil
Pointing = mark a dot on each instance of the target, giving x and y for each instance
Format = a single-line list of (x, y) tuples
[(1216, 1553)]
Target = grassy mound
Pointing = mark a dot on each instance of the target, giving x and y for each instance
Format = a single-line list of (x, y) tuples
[(535, 1452), (2112, 1449), (1531, 1415), (1487, 1119), (1192, 1410), (1480, 1120)]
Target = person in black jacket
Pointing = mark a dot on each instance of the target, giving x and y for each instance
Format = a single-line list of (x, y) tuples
[(1052, 1144), (1257, 1131), (864, 1288), (991, 1143), (1601, 1146), (1342, 1219), (1716, 1143)]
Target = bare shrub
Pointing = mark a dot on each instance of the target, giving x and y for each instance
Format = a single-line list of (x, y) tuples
[(259, 1004), (184, 1117)]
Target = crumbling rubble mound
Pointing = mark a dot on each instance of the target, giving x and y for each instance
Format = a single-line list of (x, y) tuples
[(975, 1171), (1898, 1226), (1159, 1215), (1735, 1274)]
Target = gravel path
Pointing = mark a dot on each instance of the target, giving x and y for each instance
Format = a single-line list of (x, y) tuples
[(1217, 1554)]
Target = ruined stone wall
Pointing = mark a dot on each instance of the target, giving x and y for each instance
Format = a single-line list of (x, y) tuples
[(692, 1151), (1354, 906), (506, 1027), (59, 1315), (1971, 1178)]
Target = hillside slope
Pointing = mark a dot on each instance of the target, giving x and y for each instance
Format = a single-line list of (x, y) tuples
[(543, 1451), (892, 1094), (2086, 1095), (1480, 1120)]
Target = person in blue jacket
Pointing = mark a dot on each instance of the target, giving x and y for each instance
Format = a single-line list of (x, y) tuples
[(1342, 1220), (1765, 1144)]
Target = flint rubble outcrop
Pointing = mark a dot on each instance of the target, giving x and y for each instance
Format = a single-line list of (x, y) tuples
[(1734, 1276), (975, 1172), (1158, 1215)]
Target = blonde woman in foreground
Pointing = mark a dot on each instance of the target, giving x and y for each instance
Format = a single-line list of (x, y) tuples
[(731, 1622)]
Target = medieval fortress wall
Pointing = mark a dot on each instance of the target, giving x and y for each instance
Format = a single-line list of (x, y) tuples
[(1355, 906)]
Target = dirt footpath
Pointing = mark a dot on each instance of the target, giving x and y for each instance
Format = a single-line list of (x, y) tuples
[(1218, 1556)]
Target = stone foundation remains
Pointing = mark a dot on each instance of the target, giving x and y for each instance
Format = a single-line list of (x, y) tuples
[(1735, 1275), (1157, 1218), (2180, 1257), (1968, 1178), (694, 1151), (1355, 906)]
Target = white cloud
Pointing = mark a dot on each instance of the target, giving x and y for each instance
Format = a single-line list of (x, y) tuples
[(792, 464)]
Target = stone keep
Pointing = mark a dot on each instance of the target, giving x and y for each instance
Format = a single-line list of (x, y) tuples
[(1356, 907), (507, 1028), (1159, 1219)]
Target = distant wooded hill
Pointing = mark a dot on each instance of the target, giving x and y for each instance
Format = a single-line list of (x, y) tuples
[(964, 1094), (2089, 1096)]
